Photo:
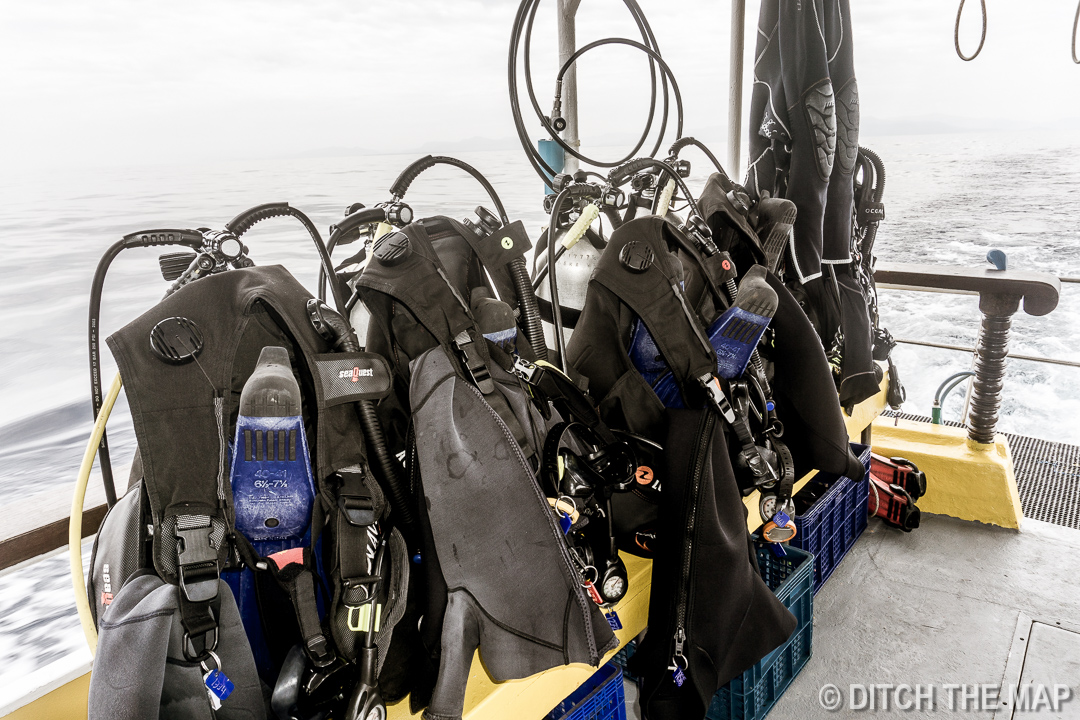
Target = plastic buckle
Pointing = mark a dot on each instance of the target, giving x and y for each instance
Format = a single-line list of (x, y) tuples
[(319, 651), (475, 364), (358, 510), (197, 564), (525, 369), (717, 397)]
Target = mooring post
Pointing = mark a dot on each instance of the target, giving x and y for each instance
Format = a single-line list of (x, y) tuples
[(567, 11), (735, 87)]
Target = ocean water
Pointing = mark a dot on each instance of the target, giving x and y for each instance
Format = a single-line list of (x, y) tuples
[(949, 199)]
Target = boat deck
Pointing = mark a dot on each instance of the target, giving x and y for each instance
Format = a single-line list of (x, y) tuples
[(952, 602)]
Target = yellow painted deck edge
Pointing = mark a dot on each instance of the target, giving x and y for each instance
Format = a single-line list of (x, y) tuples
[(67, 701), (964, 479), (537, 694)]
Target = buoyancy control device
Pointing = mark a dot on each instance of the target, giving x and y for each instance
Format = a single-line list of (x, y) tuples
[(239, 355), (489, 426), (653, 274)]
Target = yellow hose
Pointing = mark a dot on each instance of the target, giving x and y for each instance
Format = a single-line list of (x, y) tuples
[(664, 205), (75, 523), (577, 231)]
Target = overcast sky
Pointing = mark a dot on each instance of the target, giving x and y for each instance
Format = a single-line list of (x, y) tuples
[(88, 82)]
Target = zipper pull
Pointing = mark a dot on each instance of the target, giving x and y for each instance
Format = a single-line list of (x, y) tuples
[(678, 660)]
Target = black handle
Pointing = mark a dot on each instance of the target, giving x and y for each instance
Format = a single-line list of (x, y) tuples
[(405, 179), (164, 236)]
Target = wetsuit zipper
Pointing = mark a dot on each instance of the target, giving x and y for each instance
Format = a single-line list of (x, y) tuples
[(697, 464), (584, 602)]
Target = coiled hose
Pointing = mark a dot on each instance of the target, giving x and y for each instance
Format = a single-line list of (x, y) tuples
[(873, 189), (956, 32), (523, 25), (530, 310)]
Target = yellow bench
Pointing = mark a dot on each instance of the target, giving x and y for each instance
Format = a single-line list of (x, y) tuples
[(534, 696)]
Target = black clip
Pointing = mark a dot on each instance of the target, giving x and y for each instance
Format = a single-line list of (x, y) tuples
[(358, 510), (197, 563), (475, 363)]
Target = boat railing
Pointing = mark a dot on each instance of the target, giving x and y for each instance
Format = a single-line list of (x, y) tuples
[(1001, 294)]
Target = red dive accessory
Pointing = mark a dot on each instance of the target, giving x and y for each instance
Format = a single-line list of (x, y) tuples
[(899, 471), (893, 503)]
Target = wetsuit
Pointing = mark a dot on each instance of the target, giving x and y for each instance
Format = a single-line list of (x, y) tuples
[(804, 140)]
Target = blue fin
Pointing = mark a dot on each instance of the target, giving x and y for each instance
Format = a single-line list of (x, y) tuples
[(272, 483), (734, 336)]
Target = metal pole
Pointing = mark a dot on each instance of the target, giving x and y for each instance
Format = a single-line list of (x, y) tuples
[(735, 87), (567, 46)]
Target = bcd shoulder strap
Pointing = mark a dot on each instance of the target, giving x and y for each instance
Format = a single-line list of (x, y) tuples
[(639, 269)]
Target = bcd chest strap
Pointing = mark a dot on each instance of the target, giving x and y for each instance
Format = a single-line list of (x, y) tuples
[(197, 569)]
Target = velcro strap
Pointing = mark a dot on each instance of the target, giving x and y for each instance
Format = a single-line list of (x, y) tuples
[(297, 579), (893, 504), (355, 515)]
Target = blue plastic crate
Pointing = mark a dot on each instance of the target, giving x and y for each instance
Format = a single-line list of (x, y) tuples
[(752, 695), (601, 697), (622, 657), (835, 521)]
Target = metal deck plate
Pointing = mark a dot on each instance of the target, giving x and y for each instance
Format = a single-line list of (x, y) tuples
[(1043, 661)]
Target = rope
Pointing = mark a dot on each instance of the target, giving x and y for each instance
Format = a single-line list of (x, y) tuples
[(982, 38), (1076, 21)]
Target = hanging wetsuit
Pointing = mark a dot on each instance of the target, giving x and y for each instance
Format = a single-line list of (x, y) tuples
[(804, 121)]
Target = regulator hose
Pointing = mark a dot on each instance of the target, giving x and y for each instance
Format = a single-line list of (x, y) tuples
[(409, 174), (146, 238), (523, 25), (624, 172), (245, 220), (393, 477), (530, 310), (363, 216), (684, 142)]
